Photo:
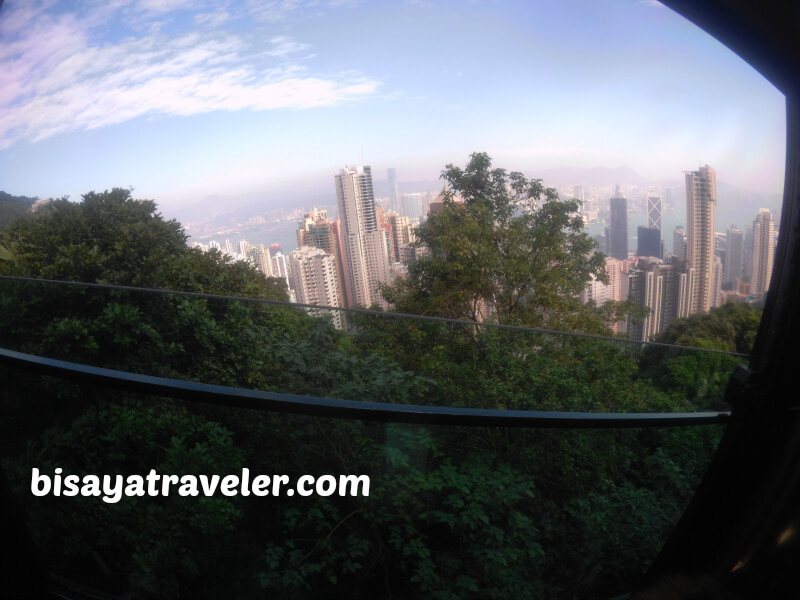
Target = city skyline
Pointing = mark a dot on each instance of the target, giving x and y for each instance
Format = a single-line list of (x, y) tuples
[(186, 100), (369, 246)]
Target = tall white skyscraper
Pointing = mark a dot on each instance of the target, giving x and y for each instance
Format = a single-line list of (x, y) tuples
[(312, 276), (279, 268), (701, 200), (763, 252), (364, 244)]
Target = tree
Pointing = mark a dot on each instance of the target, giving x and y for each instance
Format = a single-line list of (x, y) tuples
[(13, 207), (111, 238), (453, 512), (174, 547), (701, 377), (504, 249)]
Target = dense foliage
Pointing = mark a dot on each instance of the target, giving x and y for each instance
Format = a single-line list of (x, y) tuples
[(505, 248), (13, 207), (452, 513)]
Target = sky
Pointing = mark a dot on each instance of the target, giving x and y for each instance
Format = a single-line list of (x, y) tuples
[(182, 99)]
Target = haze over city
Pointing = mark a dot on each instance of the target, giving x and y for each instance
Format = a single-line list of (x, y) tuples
[(187, 100)]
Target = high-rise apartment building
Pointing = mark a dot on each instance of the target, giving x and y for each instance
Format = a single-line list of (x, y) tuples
[(655, 286), (279, 268), (313, 277), (364, 244), (316, 231), (616, 289), (402, 233), (260, 258), (763, 252), (701, 200), (734, 255), (618, 230)]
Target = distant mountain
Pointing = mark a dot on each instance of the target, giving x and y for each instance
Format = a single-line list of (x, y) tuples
[(593, 176), (239, 207), (734, 205)]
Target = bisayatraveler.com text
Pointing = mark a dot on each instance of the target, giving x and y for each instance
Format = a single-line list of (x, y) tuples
[(111, 488)]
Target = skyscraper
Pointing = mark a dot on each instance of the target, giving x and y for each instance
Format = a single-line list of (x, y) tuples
[(260, 258), (394, 193), (655, 286), (654, 212), (402, 233), (734, 255), (364, 244), (701, 200), (763, 252), (679, 243), (312, 276), (613, 290), (648, 241), (618, 232), (411, 207), (315, 230)]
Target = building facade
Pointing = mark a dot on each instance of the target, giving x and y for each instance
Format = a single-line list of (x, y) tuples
[(364, 244), (734, 255), (316, 231), (618, 230), (701, 201), (648, 241), (312, 276), (763, 252)]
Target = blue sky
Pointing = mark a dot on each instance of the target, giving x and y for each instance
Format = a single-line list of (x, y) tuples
[(181, 99)]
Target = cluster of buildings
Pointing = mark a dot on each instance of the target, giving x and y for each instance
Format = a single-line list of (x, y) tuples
[(343, 262), (705, 270)]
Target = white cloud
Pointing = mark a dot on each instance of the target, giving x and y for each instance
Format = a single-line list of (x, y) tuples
[(166, 6), (283, 45), (54, 78), (212, 19), (275, 10)]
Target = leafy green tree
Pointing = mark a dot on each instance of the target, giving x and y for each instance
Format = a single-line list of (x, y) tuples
[(13, 207), (504, 249), (453, 512), (700, 377), (111, 238)]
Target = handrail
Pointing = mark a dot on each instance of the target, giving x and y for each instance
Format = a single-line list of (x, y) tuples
[(364, 311), (232, 397)]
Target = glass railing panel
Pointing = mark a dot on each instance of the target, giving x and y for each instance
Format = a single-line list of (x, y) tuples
[(466, 512), (369, 355)]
